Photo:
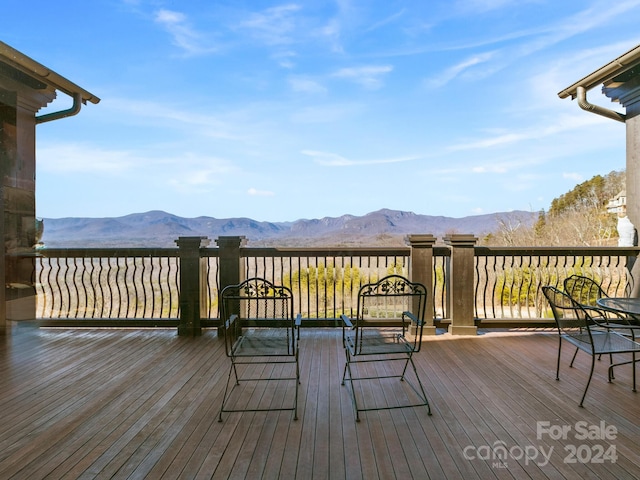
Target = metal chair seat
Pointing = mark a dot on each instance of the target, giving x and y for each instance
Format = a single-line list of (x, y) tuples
[(378, 344)]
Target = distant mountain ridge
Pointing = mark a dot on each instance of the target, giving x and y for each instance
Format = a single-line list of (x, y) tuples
[(161, 229)]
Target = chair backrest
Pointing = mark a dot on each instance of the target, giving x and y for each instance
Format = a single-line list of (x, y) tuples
[(383, 303), (571, 318), (584, 290), (258, 303)]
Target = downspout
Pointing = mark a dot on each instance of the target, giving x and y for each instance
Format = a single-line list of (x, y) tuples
[(581, 96), (75, 109)]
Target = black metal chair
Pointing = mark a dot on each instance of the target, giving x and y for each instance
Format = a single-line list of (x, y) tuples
[(586, 291), (387, 328), (576, 325), (259, 328)]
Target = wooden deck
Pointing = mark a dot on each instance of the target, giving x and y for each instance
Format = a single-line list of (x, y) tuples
[(143, 404)]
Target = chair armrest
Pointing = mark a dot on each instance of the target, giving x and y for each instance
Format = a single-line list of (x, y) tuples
[(412, 317), (347, 321)]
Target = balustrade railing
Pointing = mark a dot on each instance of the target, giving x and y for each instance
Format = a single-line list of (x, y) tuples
[(508, 281), (143, 286), (107, 283)]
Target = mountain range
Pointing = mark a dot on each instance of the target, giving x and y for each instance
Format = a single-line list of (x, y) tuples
[(160, 229)]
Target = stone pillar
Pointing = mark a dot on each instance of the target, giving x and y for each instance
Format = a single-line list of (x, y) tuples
[(421, 266), (193, 295), (461, 295), (231, 269)]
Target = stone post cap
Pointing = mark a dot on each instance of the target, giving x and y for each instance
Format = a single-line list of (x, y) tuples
[(461, 239), (421, 240), (232, 241), (192, 241)]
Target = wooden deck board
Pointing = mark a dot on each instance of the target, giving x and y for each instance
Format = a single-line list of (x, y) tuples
[(144, 404)]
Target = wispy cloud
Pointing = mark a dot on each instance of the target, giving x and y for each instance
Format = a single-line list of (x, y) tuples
[(306, 85), (573, 176), (386, 21), (254, 192), (332, 32), (198, 180), (488, 5), (456, 70), (328, 159), (369, 76), (487, 63), (76, 157), (152, 112), (563, 123), (182, 33), (273, 26)]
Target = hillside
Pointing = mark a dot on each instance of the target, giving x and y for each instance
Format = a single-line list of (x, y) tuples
[(161, 229)]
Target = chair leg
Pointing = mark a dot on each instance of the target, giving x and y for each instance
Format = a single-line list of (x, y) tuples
[(424, 395), (558, 362), (574, 357), (593, 363), (633, 365), (232, 369), (344, 373), (347, 366), (295, 407)]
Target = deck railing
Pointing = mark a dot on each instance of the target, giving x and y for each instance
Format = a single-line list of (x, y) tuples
[(179, 286)]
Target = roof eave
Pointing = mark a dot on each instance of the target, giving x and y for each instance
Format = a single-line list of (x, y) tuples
[(29, 66), (603, 74)]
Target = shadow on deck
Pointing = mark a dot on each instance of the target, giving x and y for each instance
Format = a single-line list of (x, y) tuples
[(143, 404)]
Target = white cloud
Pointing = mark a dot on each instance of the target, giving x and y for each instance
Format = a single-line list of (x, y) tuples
[(562, 124), (386, 21), (334, 160), (327, 159), (306, 85), (183, 34), (273, 26), (332, 31), (456, 70), (254, 192), (75, 157), (573, 176), (154, 112), (368, 77)]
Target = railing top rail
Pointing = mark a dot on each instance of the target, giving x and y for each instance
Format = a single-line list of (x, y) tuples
[(106, 252), (316, 252), (438, 250), (523, 251)]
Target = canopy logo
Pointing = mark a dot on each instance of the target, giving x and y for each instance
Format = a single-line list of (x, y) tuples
[(595, 447)]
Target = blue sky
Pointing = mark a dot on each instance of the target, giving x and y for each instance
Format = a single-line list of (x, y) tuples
[(312, 108)]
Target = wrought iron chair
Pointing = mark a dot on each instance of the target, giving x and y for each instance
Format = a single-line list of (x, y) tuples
[(576, 326), (586, 291), (380, 332), (259, 329)]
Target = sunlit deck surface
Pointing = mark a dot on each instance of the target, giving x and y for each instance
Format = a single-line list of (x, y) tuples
[(144, 404)]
